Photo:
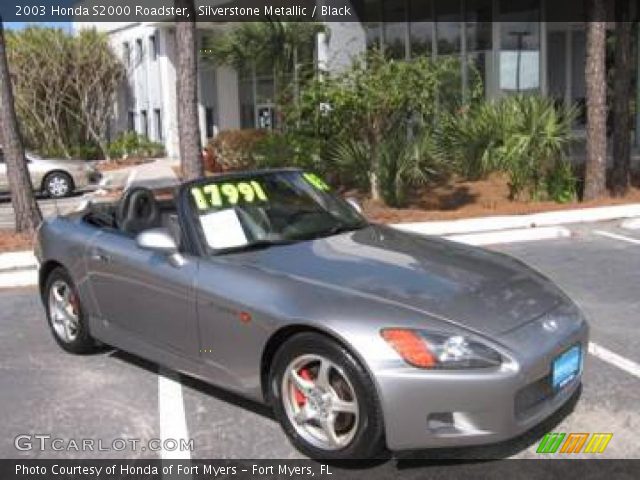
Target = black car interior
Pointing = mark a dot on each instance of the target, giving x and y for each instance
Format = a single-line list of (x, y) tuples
[(136, 211)]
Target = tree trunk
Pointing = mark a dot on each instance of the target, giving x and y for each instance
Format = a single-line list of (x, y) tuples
[(595, 76), (187, 95), (374, 169), (622, 95), (26, 210)]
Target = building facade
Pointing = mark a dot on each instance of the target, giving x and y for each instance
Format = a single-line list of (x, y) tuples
[(506, 44)]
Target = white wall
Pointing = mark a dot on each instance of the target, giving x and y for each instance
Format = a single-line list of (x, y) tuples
[(228, 98), (344, 42), (151, 84)]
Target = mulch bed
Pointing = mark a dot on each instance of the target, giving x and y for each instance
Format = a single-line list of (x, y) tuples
[(118, 163), (457, 199), (11, 241)]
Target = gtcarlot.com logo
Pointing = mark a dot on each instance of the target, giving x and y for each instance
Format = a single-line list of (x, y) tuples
[(574, 442), (46, 442)]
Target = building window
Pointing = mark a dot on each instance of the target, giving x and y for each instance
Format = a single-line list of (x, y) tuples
[(519, 45), (247, 101), (210, 122), (126, 53), (139, 49), (373, 26), (420, 28), (144, 123), (153, 47), (395, 26), (157, 114), (448, 27), (131, 121)]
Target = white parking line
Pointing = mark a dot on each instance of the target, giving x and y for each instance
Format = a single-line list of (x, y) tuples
[(615, 236), (614, 359), (173, 422)]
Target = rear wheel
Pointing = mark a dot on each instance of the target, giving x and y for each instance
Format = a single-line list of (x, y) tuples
[(58, 184), (64, 313), (324, 400)]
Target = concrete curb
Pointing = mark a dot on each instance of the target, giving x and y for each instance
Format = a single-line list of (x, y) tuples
[(511, 236), (17, 260), (544, 219)]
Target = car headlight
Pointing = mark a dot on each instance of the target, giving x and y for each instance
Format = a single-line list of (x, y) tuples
[(440, 351)]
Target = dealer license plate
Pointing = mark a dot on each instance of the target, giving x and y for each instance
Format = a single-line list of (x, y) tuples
[(566, 366)]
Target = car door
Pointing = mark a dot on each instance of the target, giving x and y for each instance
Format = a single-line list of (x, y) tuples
[(234, 328), (139, 293)]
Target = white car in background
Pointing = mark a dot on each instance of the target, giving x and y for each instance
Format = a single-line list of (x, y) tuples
[(56, 178)]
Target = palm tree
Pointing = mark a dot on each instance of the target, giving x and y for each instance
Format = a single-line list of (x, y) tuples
[(267, 44), (595, 77), (26, 210), (187, 95), (621, 93)]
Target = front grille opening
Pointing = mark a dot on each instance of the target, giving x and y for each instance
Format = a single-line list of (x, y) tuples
[(529, 398)]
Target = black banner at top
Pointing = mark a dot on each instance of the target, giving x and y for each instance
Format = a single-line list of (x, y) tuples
[(34, 11)]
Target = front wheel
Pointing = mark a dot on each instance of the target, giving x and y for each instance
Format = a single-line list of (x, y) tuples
[(325, 400), (58, 184), (65, 315)]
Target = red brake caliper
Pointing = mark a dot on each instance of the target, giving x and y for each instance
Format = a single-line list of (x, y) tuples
[(300, 398), (73, 300)]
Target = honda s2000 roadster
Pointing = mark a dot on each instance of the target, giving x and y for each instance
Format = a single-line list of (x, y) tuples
[(359, 336)]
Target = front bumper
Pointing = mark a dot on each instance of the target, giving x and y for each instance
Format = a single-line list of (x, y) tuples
[(428, 409)]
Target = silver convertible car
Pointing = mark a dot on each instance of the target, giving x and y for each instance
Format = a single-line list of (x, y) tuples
[(359, 336)]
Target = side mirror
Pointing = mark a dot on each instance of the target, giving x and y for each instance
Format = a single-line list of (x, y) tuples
[(160, 240), (355, 204)]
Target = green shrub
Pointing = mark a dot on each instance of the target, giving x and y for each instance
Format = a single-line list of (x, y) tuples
[(233, 149), (130, 144), (561, 183), (87, 151), (367, 114), (289, 150), (525, 136)]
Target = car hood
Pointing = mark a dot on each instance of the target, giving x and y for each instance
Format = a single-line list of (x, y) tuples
[(483, 291)]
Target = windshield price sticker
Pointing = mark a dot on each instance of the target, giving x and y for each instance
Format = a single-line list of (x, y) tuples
[(228, 193), (316, 182)]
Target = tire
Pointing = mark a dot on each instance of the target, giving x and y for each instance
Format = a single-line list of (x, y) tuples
[(58, 184), (73, 337), (359, 432)]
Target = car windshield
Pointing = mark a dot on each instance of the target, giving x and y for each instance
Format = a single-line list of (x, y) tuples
[(269, 208)]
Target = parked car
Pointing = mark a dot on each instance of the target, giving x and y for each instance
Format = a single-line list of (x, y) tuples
[(359, 336), (54, 177)]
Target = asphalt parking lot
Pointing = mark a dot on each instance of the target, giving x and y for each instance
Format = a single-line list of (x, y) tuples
[(113, 395)]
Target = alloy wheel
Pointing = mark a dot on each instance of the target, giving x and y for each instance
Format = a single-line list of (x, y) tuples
[(58, 186), (320, 402), (63, 310)]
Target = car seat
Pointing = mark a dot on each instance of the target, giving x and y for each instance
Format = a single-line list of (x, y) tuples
[(137, 211)]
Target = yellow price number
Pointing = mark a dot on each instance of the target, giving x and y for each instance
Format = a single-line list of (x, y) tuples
[(216, 195), (316, 182)]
